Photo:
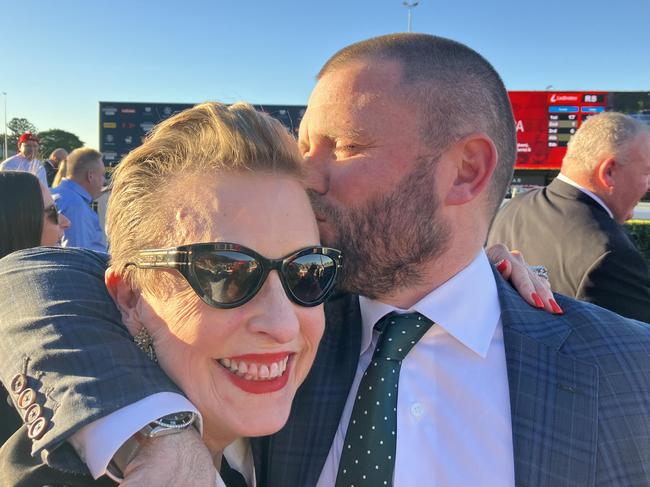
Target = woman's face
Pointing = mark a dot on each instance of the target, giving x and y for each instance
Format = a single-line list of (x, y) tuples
[(52, 231), (198, 345)]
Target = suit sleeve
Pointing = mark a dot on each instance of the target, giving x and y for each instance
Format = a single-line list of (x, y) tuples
[(62, 332), (619, 281)]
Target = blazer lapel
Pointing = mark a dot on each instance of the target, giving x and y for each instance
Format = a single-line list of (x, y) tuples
[(553, 398), (296, 454)]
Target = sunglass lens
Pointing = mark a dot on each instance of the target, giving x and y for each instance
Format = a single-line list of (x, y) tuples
[(310, 277), (52, 214), (226, 277)]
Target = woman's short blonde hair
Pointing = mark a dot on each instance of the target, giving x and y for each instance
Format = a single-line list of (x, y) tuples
[(207, 139)]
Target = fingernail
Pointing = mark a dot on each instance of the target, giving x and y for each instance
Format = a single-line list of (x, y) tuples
[(501, 265), (538, 301), (556, 307)]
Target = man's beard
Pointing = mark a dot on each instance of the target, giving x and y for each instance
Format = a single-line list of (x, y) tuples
[(388, 242)]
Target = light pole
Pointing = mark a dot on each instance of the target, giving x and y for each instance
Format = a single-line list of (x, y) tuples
[(410, 6), (5, 151)]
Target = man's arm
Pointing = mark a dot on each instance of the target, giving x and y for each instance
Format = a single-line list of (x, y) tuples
[(61, 330), (619, 281)]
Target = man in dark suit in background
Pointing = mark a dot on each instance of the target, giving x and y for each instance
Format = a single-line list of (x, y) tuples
[(409, 146), (52, 163), (574, 226)]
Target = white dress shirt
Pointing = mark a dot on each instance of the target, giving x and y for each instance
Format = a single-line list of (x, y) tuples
[(453, 407), (21, 163), (571, 182)]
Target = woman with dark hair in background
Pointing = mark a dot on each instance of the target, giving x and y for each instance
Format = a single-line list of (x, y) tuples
[(28, 218)]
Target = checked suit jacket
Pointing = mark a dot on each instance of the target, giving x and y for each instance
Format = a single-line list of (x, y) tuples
[(579, 383)]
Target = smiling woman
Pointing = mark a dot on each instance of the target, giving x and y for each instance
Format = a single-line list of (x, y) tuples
[(216, 258), (218, 274), (215, 308)]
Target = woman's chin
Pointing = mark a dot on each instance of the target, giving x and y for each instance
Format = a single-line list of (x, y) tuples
[(250, 405)]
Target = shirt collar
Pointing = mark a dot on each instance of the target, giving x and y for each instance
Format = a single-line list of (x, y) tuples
[(239, 456), (466, 306), (77, 188), (571, 182)]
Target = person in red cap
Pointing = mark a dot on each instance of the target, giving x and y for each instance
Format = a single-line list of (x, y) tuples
[(26, 159)]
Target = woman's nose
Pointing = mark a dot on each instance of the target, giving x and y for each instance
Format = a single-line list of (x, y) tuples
[(275, 315), (64, 222)]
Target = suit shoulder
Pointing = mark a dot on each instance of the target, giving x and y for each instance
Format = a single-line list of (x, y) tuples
[(599, 333), (44, 260)]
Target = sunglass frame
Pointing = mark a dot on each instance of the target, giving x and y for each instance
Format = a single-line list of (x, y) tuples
[(181, 259)]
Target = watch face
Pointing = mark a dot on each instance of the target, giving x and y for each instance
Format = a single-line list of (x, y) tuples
[(176, 420)]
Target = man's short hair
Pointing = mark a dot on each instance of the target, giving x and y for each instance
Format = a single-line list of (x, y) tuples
[(80, 160), (604, 135), (58, 154), (455, 89)]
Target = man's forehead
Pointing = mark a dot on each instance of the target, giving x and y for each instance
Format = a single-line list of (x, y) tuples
[(372, 77)]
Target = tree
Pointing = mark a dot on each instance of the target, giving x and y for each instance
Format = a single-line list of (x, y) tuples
[(20, 125), (50, 139), (16, 127), (55, 138)]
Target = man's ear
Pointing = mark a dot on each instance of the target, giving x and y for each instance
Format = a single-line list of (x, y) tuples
[(125, 298), (476, 159), (605, 174)]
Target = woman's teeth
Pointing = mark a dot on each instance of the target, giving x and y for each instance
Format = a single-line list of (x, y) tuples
[(255, 371)]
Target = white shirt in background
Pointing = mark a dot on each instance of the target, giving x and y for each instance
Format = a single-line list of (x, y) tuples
[(20, 163)]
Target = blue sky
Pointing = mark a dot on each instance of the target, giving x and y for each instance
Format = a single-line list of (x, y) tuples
[(62, 57)]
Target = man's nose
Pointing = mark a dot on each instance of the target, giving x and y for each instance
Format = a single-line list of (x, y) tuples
[(275, 315), (317, 172)]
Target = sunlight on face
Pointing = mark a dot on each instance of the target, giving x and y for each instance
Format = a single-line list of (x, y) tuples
[(240, 367)]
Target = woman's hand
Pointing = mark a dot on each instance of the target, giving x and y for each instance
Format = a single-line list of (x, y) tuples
[(534, 289)]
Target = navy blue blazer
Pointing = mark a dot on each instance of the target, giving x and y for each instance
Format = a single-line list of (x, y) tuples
[(579, 383)]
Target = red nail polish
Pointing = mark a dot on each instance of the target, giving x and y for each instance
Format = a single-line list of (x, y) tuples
[(501, 265), (538, 301), (555, 306)]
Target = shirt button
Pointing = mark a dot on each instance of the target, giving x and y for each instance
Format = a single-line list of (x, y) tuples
[(417, 410)]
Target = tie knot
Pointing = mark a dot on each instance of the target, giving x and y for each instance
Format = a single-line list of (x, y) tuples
[(399, 333)]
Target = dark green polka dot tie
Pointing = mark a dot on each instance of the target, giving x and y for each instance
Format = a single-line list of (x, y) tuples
[(368, 457)]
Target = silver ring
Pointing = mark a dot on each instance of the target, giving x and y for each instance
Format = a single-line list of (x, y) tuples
[(540, 270)]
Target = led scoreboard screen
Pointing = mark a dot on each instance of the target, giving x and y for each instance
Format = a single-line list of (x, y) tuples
[(123, 125), (545, 121)]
